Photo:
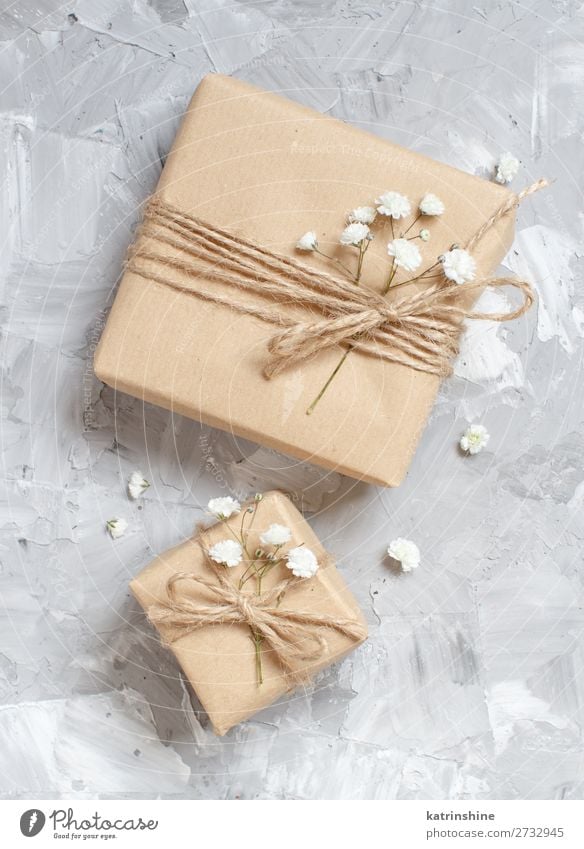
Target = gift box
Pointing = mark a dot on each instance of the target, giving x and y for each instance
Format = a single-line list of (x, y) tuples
[(266, 169), (243, 646)]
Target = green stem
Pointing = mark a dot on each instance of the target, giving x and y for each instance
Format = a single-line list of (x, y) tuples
[(417, 218), (332, 376), (257, 640), (362, 249), (390, 279), (338, 261)]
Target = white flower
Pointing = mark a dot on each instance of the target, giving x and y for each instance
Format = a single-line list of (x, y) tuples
[(474, 439), (425, 235), (405, 254), (507, 168), (393, 204), (362, 215), (116, 527), (354, 234), (308, 242), (302, 562), (431, 205), (458, 265), (227, 551), (276, 535), (224, 507), (406, 552), (137, 485)]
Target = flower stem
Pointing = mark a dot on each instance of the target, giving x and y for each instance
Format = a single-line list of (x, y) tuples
[(362, 249), (338, 261), (332, 376), (257, 641), (390, 279), (417, 218)]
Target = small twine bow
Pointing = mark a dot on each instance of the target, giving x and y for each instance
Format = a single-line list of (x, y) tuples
[(420, 330), (293, 635)]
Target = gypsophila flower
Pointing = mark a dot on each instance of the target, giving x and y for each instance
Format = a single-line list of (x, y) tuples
[(223, 507), (507, 168), (406, 552), (228, 552), (405, 254), (393, 204), (474, 439), (276, 535), (137, 485), (354, 234), (302, 562), (116, 527), (362, 215), (431, 205), (308, 242), (425, 235), (458, 265)]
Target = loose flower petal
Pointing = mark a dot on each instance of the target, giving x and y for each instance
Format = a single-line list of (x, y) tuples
[(431, 205), (302, 562), (137, 485), (458, 265), (474, 439), (393, 204), (405, 552), (507, 168), (405, 254), (354, 234), (276, 535), (116, 527), (308, 242), (223, 507), (228, 552), (362, 215)]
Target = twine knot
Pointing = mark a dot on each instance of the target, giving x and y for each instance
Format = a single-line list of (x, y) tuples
[(294, 636)]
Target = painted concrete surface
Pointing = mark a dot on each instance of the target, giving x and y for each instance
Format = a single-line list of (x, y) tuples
[(471, 685)]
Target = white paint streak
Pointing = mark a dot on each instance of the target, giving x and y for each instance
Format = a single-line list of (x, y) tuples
[(546, 256)]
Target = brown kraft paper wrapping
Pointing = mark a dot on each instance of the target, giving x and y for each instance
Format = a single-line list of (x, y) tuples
[(219, 660), (269, 169)]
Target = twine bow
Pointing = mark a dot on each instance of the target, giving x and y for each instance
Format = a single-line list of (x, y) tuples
[(293, 635), (420, 329)]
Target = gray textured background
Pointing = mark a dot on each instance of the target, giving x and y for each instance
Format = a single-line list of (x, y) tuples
[(471, 684)]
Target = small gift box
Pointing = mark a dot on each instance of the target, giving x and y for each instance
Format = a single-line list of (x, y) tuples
[(217, 296), (251, 607)]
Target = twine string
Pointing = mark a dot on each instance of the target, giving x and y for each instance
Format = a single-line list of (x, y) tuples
[(420, 329)]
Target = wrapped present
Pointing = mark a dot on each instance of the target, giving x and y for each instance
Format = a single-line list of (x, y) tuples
[(221, 318), (251, 607)]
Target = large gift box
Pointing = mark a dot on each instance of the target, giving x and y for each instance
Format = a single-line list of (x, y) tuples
[(259, 166), (207, 616)]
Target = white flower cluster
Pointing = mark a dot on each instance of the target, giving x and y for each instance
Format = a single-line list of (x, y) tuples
[(228, 552), (276, 535), (458, 265), (405, 552), (116, 527), (405, 254), (507, 168), (301, 561), (223, 508), (137, 485), (354, 234), (362, 215), (308, 242), (390, 204), (474, 439)]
